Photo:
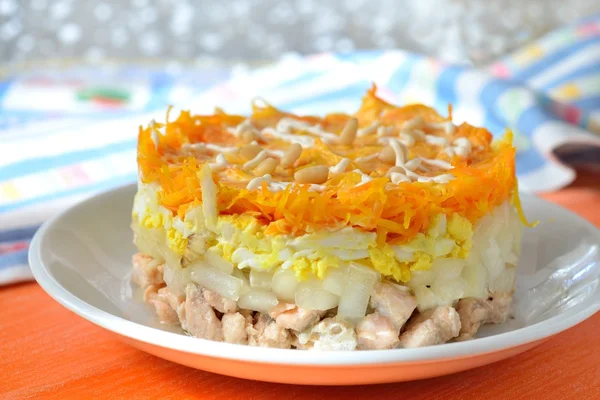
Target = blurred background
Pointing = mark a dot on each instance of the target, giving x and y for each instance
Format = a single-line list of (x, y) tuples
[(78, 78), (472, 31)]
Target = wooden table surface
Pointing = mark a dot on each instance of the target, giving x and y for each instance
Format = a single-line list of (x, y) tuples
[(47, 352)]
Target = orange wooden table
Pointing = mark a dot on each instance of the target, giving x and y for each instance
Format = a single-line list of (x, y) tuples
[(49, 352)]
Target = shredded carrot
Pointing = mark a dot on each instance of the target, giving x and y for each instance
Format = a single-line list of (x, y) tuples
[(483, 181)]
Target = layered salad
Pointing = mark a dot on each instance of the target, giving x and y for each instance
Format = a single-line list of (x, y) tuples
[(388, 228)]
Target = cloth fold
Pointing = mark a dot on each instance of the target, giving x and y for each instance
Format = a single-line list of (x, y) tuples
[(68, 133)]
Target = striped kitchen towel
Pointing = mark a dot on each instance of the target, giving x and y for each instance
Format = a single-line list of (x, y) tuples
[(67, 134)]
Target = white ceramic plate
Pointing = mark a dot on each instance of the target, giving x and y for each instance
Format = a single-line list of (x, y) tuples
[(82, 258)]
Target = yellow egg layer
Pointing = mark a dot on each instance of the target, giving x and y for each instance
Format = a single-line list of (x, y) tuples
[(242, 240)]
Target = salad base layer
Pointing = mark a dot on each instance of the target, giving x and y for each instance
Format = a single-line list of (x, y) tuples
[(392, 320)]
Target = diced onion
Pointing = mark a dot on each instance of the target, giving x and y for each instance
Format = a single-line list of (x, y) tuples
[(426, 298), (213, 279), (284, 284), (260, 279), (150, 241), (357, 291), (312, 296), (440, 226), (197, 244), (177, 279), (449, 290), (214, 259), (244, 258), (492, 259), (346, 238), (349, 255), (422, 278), (171, 258), (443, 246), (476, 278), (335, 280), (258, 300), (447, 269), (402, 254), (505, 282)]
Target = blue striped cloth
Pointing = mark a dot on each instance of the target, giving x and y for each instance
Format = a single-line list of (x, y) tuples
[(66, 134)]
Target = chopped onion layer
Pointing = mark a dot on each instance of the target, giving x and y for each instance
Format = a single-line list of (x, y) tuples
[(260, 279), (213, 279), (284, 284), (258, 300), (357, 291), (312, 296)]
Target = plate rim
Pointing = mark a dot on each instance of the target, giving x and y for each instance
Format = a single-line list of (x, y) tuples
[(202, 347)]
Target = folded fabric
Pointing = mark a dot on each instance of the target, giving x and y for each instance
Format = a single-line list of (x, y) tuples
[(68, 133)]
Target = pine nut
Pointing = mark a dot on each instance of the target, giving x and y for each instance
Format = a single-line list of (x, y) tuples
[(397, 177), (248, 136), (291, 155), (348, 134), (369, 129), (250, 151), (387, 155), (317, 174), (367, 168), (267, 166), (414, 123), (417, 134), (386, 131), (394, 169), (400, 150), (407, 139)]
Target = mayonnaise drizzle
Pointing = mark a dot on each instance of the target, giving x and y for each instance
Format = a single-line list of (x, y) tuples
[(364, 178), (275, 153), (414, 123), (444, 178), (404, 169), (397, 177), (274, 186), (449, 151), (278, 186), (220, 163), (369, 129), (209, 146), (407, 139), (386, 131), (339, 167), (462, 146), (256, 183), (316, 188), (256, 160), (413, 164), (154, 133), (400, 151), (447, 126), (436, 140), (288, 124), (241, 128), (367, 158), (305, 141), (438, 163)]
